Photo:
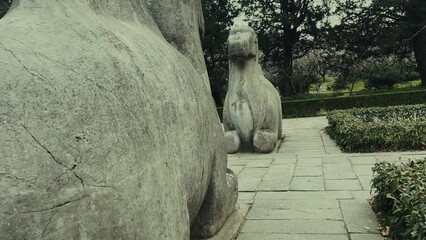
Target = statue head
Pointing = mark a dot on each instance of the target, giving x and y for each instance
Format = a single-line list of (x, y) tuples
[(242, 43)]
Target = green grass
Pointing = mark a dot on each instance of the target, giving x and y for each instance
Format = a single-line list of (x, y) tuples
[(359, 87), (410, 84)]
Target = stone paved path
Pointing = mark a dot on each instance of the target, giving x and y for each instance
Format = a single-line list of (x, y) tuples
[(309, 190)]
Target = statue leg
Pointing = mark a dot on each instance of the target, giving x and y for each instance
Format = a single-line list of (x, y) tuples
[(232, 141), (219, 202), (264, 141)]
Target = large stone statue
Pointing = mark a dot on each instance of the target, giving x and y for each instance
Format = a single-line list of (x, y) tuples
[(107, 127), (252, 114)]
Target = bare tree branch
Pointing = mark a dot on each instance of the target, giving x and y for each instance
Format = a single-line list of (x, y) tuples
[(416, 34)]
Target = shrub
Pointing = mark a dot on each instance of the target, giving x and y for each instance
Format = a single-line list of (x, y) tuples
[(384, 76), (379, 129), (306, 71), (312, 107), (382, 73), (400, 198)]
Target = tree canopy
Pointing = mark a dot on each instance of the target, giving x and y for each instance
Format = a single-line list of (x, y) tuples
[(287, 29), (380, 29), (218, 19)]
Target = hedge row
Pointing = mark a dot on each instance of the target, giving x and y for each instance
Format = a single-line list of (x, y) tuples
[(314, 107), (400, 199), (379, 129), (319, 106)]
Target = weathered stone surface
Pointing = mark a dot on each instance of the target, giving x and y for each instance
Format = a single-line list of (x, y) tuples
[(252, 114), (108, 131), (182, 25), (232, 226)]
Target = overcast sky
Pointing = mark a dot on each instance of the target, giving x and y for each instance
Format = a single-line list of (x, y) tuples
[(239, 21)]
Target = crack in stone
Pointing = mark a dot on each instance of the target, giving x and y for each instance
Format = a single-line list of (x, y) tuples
[(41, 145), (48, 223), (55, 206), (53, 157), (22, 64)]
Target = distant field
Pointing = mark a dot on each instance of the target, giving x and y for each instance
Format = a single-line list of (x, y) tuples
[(415, 83), (359, 86)]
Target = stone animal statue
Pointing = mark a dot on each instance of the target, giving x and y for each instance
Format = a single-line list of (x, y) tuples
[(107, 126), (252, 115)]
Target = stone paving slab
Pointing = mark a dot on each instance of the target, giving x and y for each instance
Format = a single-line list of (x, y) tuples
[(335, 160), (339, 171), (249, 172), (244, 208), (308, 189), (274, 185), (304, 195), (295, 214), (248, 184), (363, 160), (343, 184), (246, 197), (309, 161), (294, 226), (307, 184), (358, 216), (272, 236), (299, 204), (236, 169), (366, 237), (264, 163), (365, 182), (279, 172), (362, 195), (314, 171), (284, 161)]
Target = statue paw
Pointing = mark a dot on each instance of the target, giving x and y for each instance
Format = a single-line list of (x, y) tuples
[(232, 142), (264, 141)]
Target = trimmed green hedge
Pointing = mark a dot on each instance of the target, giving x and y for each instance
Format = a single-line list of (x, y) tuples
[(400, 198), (379, 129), (319, 106)]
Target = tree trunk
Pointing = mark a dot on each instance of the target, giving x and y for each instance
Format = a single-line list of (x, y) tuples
[(352, 87), (416, 10), (291, 36), (286, 87), (419, 45)]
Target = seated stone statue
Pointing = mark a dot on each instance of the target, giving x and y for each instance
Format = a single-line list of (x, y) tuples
[(252, 115), (107, 126)]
